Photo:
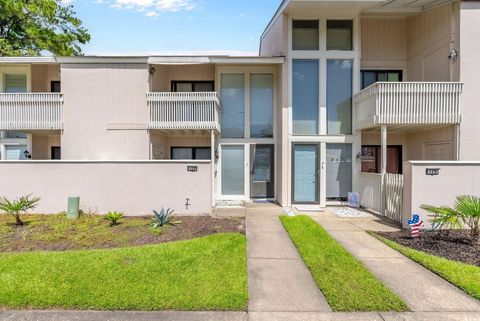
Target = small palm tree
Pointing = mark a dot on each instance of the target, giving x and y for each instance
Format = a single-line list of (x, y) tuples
[(465, 212), (19, 206)]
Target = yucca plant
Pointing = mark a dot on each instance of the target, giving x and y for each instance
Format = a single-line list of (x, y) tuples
[(163, 217), (18, 206), (465, 212), (113, 217)]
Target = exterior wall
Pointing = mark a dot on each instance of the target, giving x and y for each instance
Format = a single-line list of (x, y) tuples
[(163, 76), (161, 144), (274, 41), (470, 75), (105, 112), (384, 43), (42, 75), (455, 178), (42, 144), (429, 38), (143, 186), (15, 69)]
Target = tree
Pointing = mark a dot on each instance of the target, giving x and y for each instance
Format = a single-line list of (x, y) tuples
[(28, 27), (18, 207)]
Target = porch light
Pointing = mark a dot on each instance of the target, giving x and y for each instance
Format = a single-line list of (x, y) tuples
[(27, 154), (453, 55)]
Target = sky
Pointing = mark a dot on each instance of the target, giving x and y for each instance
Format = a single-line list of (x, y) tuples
[(163, 26)]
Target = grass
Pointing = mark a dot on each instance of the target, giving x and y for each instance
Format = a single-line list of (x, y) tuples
[(201, 274), (346, 284), (464, 276)]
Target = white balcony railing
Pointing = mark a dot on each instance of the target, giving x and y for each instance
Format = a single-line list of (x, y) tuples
[(172, 110), (408, 103), (31, 111)]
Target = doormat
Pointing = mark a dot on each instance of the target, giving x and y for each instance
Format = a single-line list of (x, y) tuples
[(310, 208)]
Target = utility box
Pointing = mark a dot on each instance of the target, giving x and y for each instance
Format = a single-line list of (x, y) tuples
[(73, 211)]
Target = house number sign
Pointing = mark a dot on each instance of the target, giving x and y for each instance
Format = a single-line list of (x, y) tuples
[(432, 171), (192, 168)]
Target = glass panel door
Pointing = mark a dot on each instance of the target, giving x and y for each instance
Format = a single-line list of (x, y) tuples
[(262, 171), (233, 176), (15, 152), (339, 171), (306, 173)]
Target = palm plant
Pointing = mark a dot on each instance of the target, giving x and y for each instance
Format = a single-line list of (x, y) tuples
[(465, 212), (113, 217), (162, 218), (19, 206)]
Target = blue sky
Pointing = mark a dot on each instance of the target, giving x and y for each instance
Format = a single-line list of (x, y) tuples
[(140, 26)]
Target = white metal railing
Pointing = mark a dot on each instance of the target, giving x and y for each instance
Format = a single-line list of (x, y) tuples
[(404, 103), (31, 111), (393, 196), (189, 110)]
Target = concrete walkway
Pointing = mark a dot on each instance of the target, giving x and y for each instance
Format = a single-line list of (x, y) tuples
[(421, 289), (278, 280)]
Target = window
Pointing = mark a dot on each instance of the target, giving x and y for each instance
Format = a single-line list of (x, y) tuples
[(193, 86), (339, 35), (191, 153), (339, 97), (305, 97), (55, 86), (261, 106), (305, 35), (233, 101), (372, 159), (233, 176), (13, 134), (339, 171), (55, 152), (370, 77), (15, 83)]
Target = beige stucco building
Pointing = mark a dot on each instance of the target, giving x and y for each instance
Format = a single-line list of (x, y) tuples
[(343, 97)]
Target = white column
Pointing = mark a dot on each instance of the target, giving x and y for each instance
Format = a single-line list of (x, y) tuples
[(383, 170), (212, 165)]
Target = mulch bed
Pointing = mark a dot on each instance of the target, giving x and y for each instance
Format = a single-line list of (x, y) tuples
[(453, 244)]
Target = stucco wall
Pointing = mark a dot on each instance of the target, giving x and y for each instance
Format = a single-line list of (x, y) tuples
[(455, 178), (470, 76), (162, 78), (131, 187), (42, 144), (105, 112), (161, 144), (275, 39), (43, 75)]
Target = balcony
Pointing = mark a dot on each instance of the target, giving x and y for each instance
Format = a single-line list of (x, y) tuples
[(408, 104), (184, 110), (31, 111)]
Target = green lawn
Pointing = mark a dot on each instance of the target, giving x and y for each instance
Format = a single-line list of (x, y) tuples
[(464, 276), (345, 282), (201, 274)]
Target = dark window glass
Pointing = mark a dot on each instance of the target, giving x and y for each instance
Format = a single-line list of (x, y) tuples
[(305, 35), (369, 77), (372, 159), (191, 153), (56, 152), (340, 35), (193, 86), (55, 86)]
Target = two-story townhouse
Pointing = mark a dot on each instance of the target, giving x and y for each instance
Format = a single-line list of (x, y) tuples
[(341, 94)]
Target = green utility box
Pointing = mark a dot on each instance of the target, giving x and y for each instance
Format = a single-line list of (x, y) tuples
[(73, 208)]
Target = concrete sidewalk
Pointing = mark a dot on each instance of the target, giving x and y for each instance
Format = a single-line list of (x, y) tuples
[(278, 280), (421, 289)]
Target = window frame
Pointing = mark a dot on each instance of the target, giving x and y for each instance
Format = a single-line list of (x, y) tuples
[(174, 84), (377, 71), (52, 86), (194, 151), (378, 155), (318, 28), (352, 34)]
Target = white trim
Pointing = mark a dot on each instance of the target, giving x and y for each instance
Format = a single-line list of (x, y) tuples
[(167, 161)]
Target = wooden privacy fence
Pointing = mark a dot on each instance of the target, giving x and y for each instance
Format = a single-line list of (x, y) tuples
[(394, 197)]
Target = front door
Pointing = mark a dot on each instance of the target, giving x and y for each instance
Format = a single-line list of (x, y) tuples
[(305, 174), (262, 171)]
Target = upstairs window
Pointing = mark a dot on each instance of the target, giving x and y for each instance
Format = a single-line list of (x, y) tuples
[(15, 83), (369, 77), (191, 153), (340, 35), (193, 86), (233, 102), (305, 35)]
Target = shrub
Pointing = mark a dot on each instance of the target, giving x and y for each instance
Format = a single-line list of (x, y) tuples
[(163, 218), (19, 206), (113, 217)]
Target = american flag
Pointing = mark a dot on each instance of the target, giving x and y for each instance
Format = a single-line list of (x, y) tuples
[(415, 223)]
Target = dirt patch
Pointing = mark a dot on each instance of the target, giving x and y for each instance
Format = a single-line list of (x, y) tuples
[(453, 244), (56, 233)]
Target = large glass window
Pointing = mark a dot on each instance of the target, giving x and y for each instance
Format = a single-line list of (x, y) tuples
[(305, 97), (233, 98), (305, 35), (339, 35), (370, 77), (339, 97), (233, 159), (188, 153), (339, 171), (261, 105), (372, 159), (15, 83)]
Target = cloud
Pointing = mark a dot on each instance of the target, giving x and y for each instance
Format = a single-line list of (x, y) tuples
[(154, 7)]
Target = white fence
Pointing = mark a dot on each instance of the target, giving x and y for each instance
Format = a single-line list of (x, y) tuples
[(394, 197), (371, 191), (190, 110), (404, 103), (31, 111)]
